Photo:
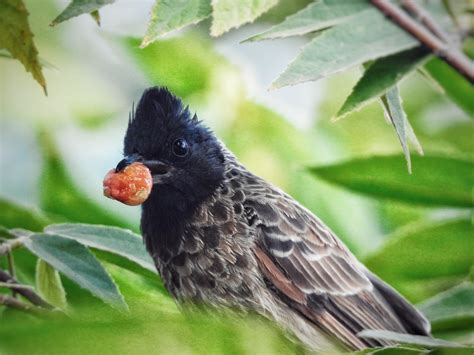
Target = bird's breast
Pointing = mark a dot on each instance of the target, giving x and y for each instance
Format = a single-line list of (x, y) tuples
[(215, 263)]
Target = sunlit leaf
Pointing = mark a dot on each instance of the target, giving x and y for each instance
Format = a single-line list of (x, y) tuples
[(17, 38), (228, 14), (380, 77), (77, 263), (424, 253), (390, 350), (437, 180), (105, 332), (171, 15), (367, 36), (59, 195), (96, 17), (316, 16), (115, 240), (16, 216), (392, 104), (49, 285), (457, 88), (79, 7), (455, 306), (408, 338)]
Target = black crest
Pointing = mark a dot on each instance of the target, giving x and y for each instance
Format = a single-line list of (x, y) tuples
[(158, 116), (159, 121)]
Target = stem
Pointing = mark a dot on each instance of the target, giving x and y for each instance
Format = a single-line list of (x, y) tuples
[(449, 54), (9, 245), (11, 302), (10, 285), (11, 269), (425, 17), (30, 294)]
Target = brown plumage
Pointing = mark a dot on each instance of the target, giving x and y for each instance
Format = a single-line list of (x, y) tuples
[(222, 236)]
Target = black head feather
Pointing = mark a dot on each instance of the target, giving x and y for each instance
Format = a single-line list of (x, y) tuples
[(159, 120)]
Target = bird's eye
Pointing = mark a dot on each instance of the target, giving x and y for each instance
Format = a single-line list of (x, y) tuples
[(180, 147)]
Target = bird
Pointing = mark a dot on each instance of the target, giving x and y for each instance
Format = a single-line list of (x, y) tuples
[(224, 237)]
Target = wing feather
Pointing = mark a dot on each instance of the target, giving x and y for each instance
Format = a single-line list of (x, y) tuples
[(339, 294)]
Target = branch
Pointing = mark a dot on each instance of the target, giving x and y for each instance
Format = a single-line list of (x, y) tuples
[(29, 294), (11, 302), (11, 244), (10, 285), (425, 18), (449, 54), (11, 269), (14, 303)]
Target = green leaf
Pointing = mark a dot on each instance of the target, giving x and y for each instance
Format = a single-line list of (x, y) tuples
[(171, 15), (439, 253), (392, 104), (79, 7), (437, 180), (228, 14), (49, 285), (380, 77), (404, 338), (77, 263), (17, 38), (452, 306), (59, 195), (16, 216), (115, 240), (96, 17), (364, 37), (316, 16), (100, 331), (457, 88)]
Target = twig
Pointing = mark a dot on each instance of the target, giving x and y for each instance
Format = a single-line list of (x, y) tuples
[(11, 244), (449, 54), (10, 285), (30, 294), (21, 306), (11, 269), (424, 16)]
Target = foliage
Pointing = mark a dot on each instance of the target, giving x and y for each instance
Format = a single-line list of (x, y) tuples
[(345, 34), (414, 231), (16, 37), (439, 180), (79, 7)]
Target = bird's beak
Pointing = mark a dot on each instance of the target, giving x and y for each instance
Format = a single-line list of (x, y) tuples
[(157, 168)]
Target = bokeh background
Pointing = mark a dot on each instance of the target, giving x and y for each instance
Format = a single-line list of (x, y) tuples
[(56, 149)]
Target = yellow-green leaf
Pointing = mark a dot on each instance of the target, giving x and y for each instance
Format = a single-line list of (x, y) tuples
[(367, 36), (49, 285), (316, 16), (424, 258), (228, 14), (437, 180), (451, 308), (17, 38), (171, 15), (96, 17), (382, 75), (79, 7), (392, 104), (78, 264), (456, 87)]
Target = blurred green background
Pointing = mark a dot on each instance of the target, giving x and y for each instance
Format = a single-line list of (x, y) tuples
[(55, 151)]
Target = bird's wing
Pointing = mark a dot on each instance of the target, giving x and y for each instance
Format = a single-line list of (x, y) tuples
[(318, 276)]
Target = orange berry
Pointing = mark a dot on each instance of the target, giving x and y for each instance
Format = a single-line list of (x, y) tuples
[(131, 186)]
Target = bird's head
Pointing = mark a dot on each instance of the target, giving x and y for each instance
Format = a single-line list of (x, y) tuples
[(184, 157)]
